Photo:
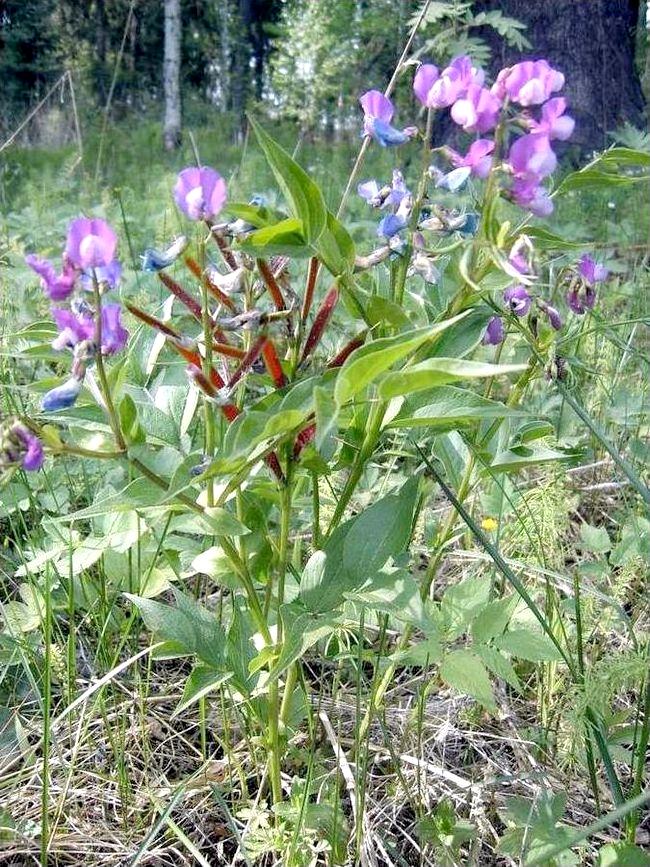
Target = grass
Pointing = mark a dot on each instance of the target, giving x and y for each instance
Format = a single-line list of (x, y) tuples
[(96, 764)]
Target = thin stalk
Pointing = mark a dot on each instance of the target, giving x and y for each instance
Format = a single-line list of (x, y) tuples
[(640, 753), (275, 711), (367, 448), (591, 763), (208, 415), (47, 706), (101, 370)]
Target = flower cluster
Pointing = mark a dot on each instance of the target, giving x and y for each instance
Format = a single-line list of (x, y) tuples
[(89, 269), (19, 447), (477, 109), (518, 298)]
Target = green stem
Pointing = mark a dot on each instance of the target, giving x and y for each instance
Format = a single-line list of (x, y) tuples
[(370, 440), (208, 413), (275, 711), (101, 370)]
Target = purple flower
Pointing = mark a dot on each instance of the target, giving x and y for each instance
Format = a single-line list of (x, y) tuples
[(63, 396), (554, 122), (553, 314), (114, 335), (477, 158), (518, 300), (521, 255), (495, 332), (581, 298), (440, 90), (378, 112), (107, 275), (369, 191), (528, 83), (200, 193), (31, 448), (532, 155), (582, 293), (91, 243), (58, 286), (478, 110), (528, 193), (73, 328), (390, 225), (591, 271)]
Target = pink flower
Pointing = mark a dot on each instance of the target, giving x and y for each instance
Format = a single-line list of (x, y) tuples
[(532, 155), (440, 90), (73, 328), (591, 271), (91, 243), (554, 122), (477, 158), (528, 193), (114, 335), (478, 111), (58, 286), (200, 193), (528, 83)]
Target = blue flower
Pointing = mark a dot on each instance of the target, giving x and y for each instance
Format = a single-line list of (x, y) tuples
[(63, 396), (156, 260), (390, 225)]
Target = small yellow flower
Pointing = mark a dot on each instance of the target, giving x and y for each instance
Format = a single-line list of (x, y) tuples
[(489, 524)]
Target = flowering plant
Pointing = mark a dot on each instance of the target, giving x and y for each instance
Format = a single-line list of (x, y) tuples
[(304, 349)]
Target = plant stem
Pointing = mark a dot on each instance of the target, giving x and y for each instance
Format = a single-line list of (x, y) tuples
[(275, 711), (207, 367), (101, 370)]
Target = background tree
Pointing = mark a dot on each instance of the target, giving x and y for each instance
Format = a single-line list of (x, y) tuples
[(593, 43), (172, 75)]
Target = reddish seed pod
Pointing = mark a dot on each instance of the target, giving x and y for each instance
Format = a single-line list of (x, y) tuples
[(320, 322), (272, 363), (212, 287), (247, 361), (341, 357), (224, 249), (183, 296), (310, 286), (303, 439), (147, 318), (271, 284), (201, 381)]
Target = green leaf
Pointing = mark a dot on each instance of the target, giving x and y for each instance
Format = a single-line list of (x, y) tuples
[(448, 408), (546, 240), (498, 664), (302, 194), (492, 620), (462, 602), (326, 412), (464, 671), (524, 644), (335, 247), (595, 539), (520, 457), (394, 592), (381, 531), (285, 238), (369, 361), (301, 630), (437, 371), (623, 855), (350, 557), (187, 626), (202, 680), (257, 215)]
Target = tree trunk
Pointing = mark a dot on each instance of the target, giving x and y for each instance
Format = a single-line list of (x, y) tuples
[(241, 71), (592, 43), (172, 75)]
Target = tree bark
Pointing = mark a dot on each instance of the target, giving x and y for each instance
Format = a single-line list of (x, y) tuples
[(592, 43), (172, 75)]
